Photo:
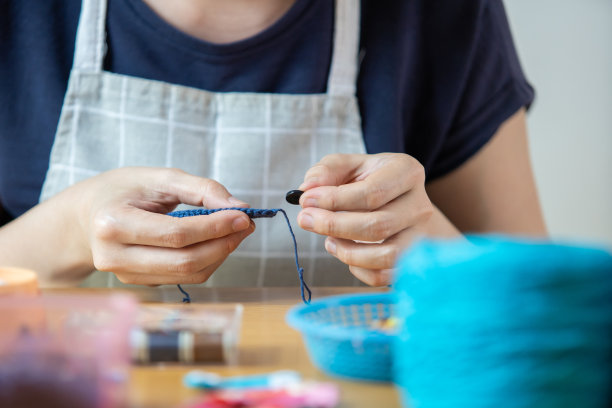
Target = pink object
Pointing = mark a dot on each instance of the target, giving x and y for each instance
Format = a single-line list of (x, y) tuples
[(305, 395)]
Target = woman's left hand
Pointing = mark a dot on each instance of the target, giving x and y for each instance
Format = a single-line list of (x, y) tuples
[(371, 207)]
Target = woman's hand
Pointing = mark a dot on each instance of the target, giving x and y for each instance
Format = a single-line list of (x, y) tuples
[(116, 222), (371, 207)]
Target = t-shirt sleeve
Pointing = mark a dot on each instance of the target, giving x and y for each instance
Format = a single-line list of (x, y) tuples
[(494, 87)]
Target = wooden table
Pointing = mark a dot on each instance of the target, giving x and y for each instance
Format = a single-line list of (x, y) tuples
[(267, 344)]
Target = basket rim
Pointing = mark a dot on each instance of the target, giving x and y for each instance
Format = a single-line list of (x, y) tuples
[(294, 318)]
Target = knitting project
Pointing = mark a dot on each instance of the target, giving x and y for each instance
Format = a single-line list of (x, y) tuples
[(252, 213)]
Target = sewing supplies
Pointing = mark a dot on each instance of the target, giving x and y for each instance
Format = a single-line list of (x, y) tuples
[(275, 380), (193, 334), (343, 334), (293, 196), (252, 213), (69, 350), (18, 281), (279, 389), (494, 321), (182, 346)]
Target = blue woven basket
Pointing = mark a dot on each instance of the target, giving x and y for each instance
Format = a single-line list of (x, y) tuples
[(341, 337)]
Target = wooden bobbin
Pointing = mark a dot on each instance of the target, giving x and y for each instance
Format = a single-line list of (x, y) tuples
[(18, 281)]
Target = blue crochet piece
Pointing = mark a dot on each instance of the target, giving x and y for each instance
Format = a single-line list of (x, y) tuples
[(252, 213)]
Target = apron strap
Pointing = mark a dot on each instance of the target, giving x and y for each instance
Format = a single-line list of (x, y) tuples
[(90, 45), (342, 79)]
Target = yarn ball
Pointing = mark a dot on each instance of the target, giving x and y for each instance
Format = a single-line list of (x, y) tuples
[(500, 322)]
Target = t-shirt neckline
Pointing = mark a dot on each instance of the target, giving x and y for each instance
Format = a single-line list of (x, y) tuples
[(285, 25)]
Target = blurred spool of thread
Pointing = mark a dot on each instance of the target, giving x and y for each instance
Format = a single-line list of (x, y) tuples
[(181, 346), (499, 322), (18, 281)]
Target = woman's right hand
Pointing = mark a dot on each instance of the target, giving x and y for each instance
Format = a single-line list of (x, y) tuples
[(117, 222)]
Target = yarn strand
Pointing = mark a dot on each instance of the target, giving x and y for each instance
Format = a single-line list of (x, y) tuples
[(252, 213), (187, 297), (300, 270)]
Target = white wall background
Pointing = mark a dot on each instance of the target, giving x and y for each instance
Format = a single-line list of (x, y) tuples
[(565, 48)]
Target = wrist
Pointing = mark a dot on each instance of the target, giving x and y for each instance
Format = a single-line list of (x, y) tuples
[(71, 211), (59, 251), (439, 226)]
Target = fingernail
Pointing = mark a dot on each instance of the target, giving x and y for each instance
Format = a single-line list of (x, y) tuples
[(310, 202), (306, 221), (240, 224), (330, 245), (236, 202)]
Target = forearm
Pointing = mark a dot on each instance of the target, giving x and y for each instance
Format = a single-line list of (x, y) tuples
[(116, 222), (46, 239)]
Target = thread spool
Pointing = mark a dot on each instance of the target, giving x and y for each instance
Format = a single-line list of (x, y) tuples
[(18, 281), (498, 322), (178, 346)]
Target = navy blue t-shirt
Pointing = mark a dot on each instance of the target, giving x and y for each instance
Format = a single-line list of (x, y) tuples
[(436, 80)]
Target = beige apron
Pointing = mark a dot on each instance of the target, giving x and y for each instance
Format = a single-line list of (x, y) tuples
[(257, 145)]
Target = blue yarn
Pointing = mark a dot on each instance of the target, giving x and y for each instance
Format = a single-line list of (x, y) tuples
[(252, 213), (187, 297), (500, 322), (300, 270)]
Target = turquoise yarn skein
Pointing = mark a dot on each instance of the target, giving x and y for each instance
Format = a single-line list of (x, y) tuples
[(499, 322)]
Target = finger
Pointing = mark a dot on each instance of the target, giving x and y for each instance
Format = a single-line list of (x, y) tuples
[(179, 262), (334, 170), (385, 178), (365, 255), (202, 276), (132, 225), (402, 213), (197, 191), (373, 277)]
